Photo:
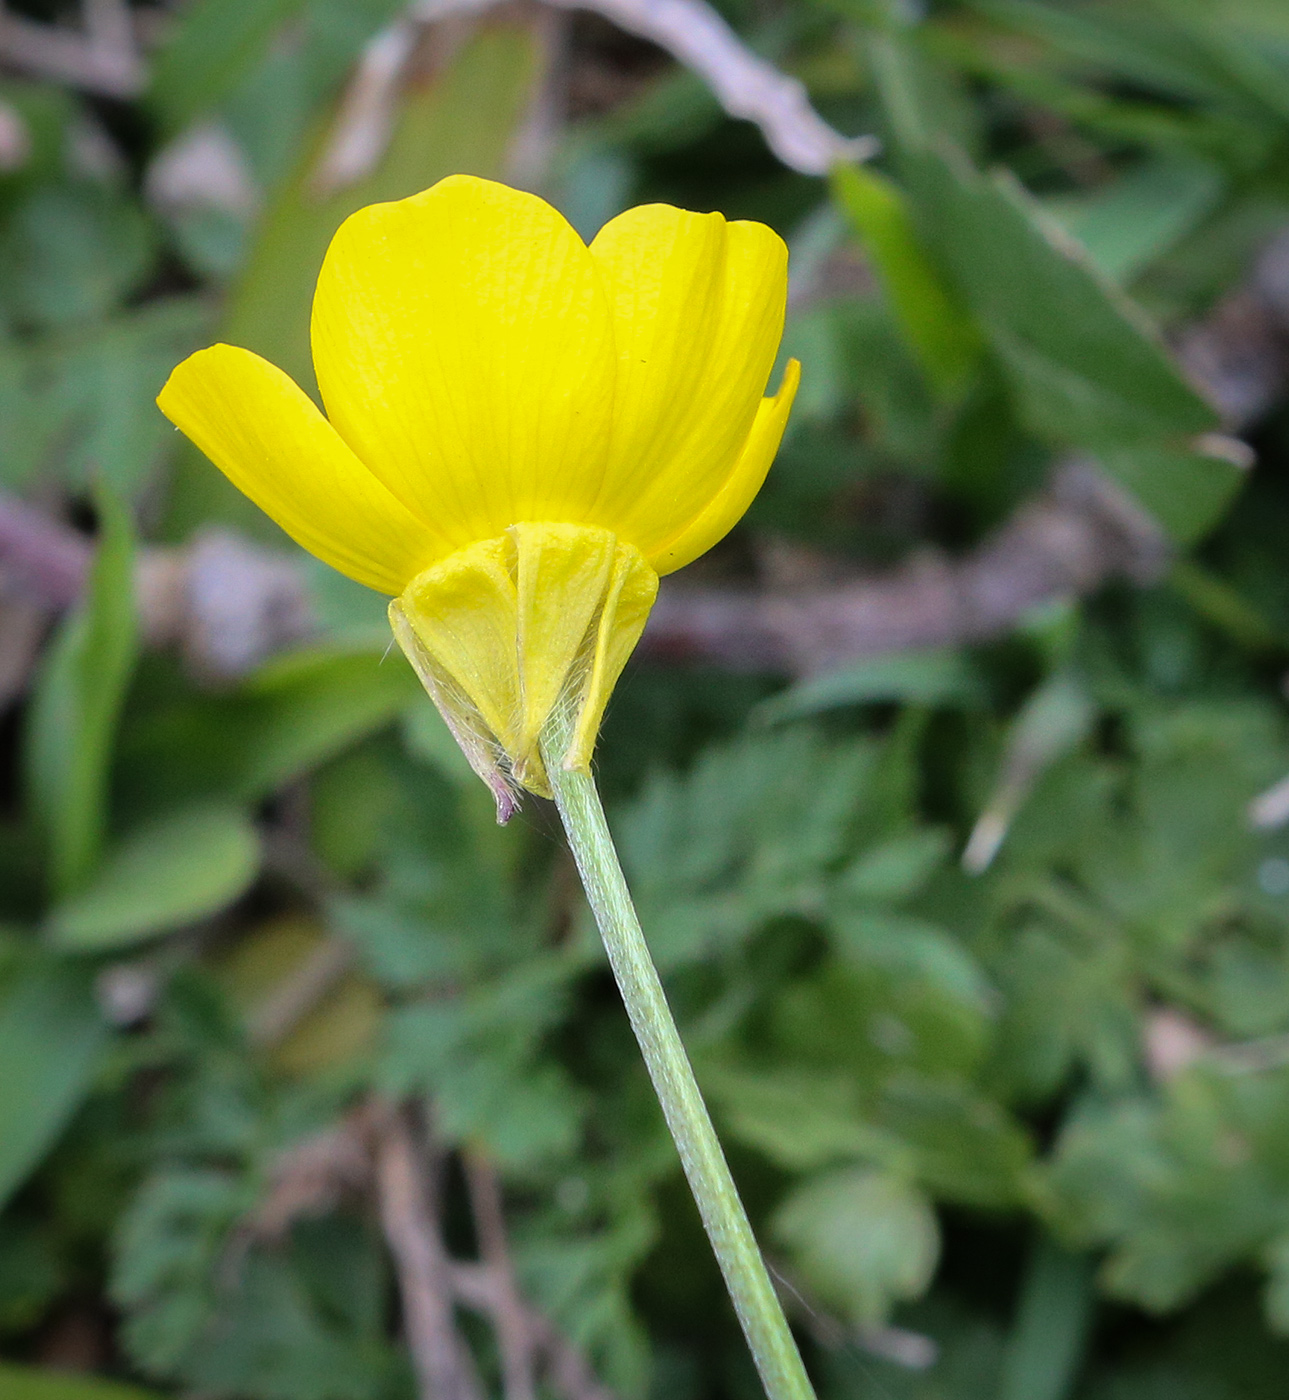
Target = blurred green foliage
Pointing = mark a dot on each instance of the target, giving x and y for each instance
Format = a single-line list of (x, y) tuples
[(981, 961)]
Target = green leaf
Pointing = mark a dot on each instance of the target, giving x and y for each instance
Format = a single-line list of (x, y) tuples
[(1084, 366), (863, 1241), (33, 1383), (51, 1038), (1125, 226), (894, 869), (1186, 491), (211, 47), (799, 1120), (78, 697), (1046, 1349), (104, 389), (175, 871), (1275, 1299), (938, 329), (294, 713), (70, 252), (936, 326)]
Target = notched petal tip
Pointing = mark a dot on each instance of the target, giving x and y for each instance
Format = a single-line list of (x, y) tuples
[(698, 316)]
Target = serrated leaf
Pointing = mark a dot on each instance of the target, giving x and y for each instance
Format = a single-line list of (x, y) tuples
[(895, 869), (184, 867), (71, 252), (863, 1240)]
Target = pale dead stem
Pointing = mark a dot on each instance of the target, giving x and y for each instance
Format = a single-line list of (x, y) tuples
[(691, 31), (514, 1339), (389, 1151), (406, 1192), (101, 56)]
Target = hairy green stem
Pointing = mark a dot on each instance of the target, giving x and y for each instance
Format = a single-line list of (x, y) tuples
[(764, 1325)]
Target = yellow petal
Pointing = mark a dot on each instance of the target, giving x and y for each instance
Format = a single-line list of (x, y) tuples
[(698, 314), (267, 436), (463, 346), (730, 503)]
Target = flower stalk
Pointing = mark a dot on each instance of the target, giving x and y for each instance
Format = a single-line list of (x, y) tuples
[(759, 1312)]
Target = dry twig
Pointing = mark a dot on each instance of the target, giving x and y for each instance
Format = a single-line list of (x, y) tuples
[(101, 57), (314, 1174), (694, 34), (510, 1317), (567, 1369), (745, 85), (403, 1184), (1079, 533), (376, 1145)]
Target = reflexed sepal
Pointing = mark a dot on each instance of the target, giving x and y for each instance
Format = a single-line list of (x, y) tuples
[(504, 631)]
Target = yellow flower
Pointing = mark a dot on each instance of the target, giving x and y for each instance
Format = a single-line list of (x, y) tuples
[(522, 433)]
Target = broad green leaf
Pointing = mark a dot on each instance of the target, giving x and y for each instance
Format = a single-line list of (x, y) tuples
[(213, 44), (184, 867), (463, 121), (73, 716), (1186, 490), (70, 252), (937, 328), (863, 1241), (293, 714), (51, 1038), (1045, 1351), (34, 1383), (1083, 364), (1125, 226), (924, 102), (305, 707)]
